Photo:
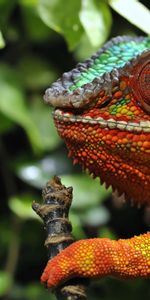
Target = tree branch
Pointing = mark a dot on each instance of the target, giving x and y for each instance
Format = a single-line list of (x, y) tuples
[(54, 212)]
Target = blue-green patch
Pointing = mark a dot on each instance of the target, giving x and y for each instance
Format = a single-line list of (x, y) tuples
[(114, 57)]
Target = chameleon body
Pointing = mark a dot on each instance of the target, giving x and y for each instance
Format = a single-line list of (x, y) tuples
[(102, 111)]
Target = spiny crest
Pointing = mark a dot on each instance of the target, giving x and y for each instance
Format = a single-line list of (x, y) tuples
[(75, 88)]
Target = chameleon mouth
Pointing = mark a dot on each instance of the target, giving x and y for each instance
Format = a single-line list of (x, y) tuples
[(67, 117)]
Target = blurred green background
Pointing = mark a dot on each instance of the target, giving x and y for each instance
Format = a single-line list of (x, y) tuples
[(39, 40)]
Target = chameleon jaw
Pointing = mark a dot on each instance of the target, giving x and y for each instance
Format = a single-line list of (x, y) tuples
[(137, 127)]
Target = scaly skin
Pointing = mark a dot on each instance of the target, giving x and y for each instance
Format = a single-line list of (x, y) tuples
[(103, 114), (100, 257)]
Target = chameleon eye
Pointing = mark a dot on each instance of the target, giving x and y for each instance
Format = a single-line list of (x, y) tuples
[(140, 81)]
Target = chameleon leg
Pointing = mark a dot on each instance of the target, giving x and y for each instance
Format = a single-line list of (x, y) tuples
[(126, 258)]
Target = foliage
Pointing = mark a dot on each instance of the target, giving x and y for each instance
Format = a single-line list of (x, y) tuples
[(35, 37)]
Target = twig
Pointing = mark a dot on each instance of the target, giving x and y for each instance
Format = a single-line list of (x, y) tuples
[(54, 212)]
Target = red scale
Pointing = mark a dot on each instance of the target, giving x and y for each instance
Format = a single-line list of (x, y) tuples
[(140, 81)]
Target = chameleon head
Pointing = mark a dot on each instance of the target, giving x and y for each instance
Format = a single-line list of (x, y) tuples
[(102, 111)]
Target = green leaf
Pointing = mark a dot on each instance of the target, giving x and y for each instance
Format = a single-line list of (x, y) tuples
[(96, 20), (35, 73), (6, 124), (105, 232), (96, 216), (2, 42), (63, 18), (49, 137), (35, 291), (21, 206), (6, 7), (32, 21), (5, 232), (134, 11), (85, 49), (77, 231), (29, 2), (86, 192), (5, 282), (13, 105), (38, 173)]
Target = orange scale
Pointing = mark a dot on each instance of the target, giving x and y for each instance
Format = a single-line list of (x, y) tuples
[(106, 114), (84, 153), (142, 137), (125, 141), (108, 142), (114, 138), (108, 137), (136, 138), (148, 138), (128, 96), (146, 144), (118, 94), (139, 144), (122, 85), (119, 141), (136, 112), (133, 108), (94, 157), (121, 134), (113, 102)]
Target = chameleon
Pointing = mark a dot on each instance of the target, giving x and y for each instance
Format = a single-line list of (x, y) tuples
[(102, 111)]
